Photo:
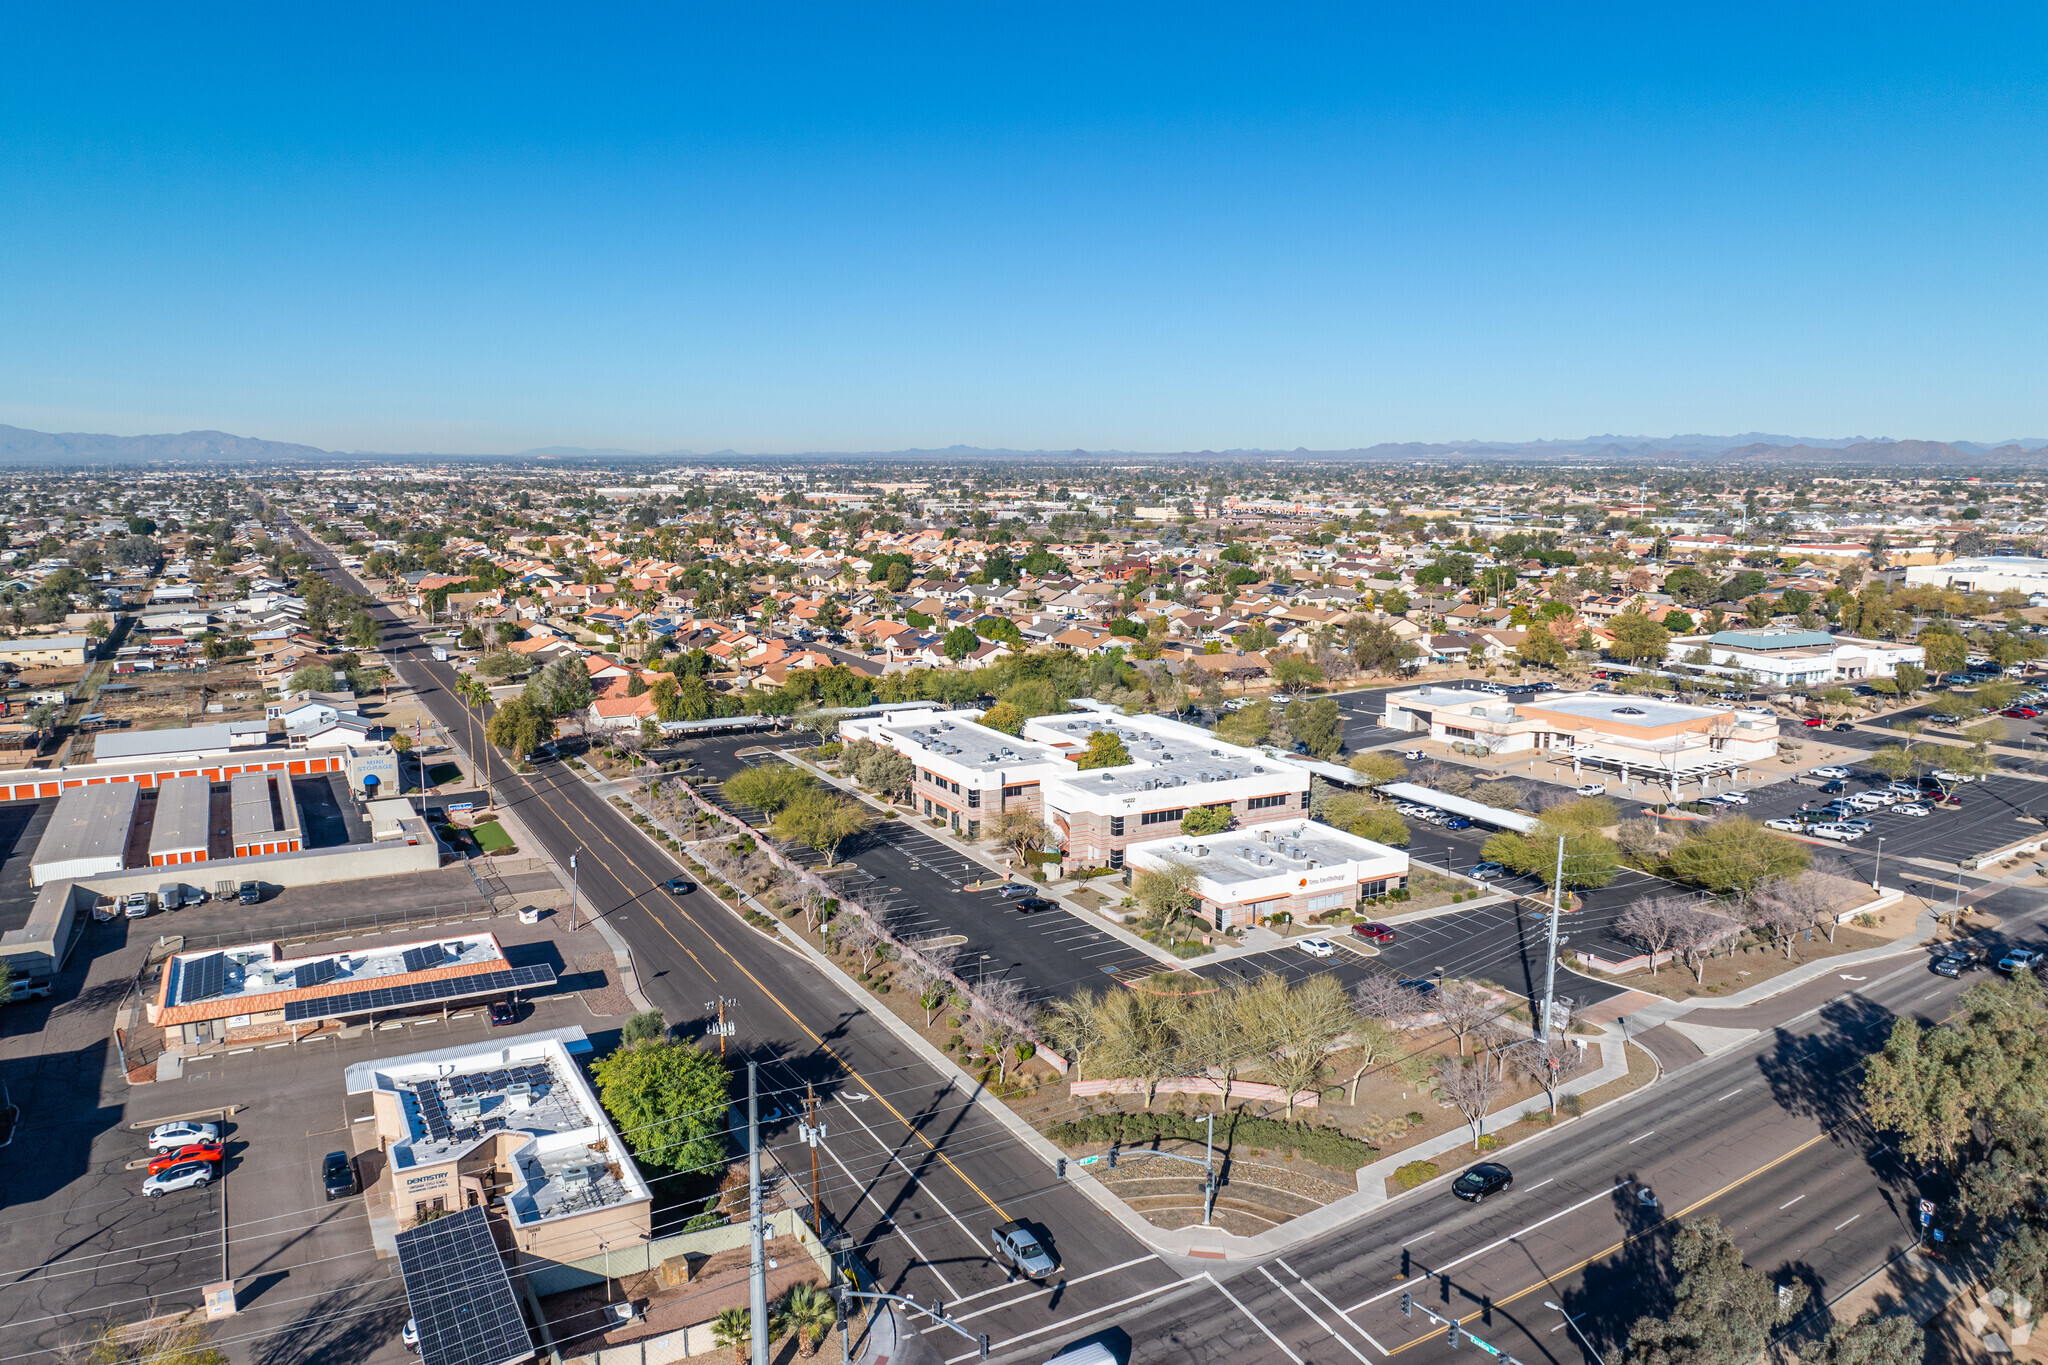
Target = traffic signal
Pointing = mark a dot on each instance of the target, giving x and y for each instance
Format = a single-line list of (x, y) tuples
[(984, 1346), (839, 1309), (1407, 1304), (1059, 1168), (1112, 1156), (1454, 1337)]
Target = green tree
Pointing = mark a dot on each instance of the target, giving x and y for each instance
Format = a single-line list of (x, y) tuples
[(770, 787), (518, 728), (1591, 859), (560, 689), (1889, 1338), (1168, 894), (647, 1026), (1202, 820), (810, 1312), (960, 642), (1540, 647), (1735, 854), (364, 632), (734, 1327), (1319, 724), (1378, 766), (1292, 673), (1723, 1311), (821, 820), (1004, 717), (1947, 652), (668, 1101), (1909, 678), (1359, 814), (1637, 637), (1105, 750)]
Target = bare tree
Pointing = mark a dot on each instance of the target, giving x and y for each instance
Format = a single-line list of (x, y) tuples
[(1549, 1067), (1463, 1007), (857, 934), (1302, 1024), (1650, 922), (1213, 1037), (1373, 1042), (1779, 912), (1470, 1087), (1693, 935), (1001, 1010), (1073, 1024), (1383, 997), (927, 969), (1807, 901), (1137, 1035)]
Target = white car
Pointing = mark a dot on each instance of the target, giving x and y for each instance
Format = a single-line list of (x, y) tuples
[(1913, 810), (1733, 798), (168, 1137), (1593, 789), (1317, 947), (1787, 826), (1944, 775), (1836, 773), (1870, 800), (1841, 834), (182, 1177), (1412, 755)]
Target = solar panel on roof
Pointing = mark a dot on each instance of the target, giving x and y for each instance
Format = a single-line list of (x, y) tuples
[(314, 973), (417, 993), (202, 978), (459, 1293), (419, 959)]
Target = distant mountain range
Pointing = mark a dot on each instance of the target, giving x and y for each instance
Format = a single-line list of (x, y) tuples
[(19, 446)]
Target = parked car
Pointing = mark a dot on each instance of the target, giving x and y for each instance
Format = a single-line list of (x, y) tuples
[(1488, 1177), (503, 1013), (249, 893), (166, 1137), (1827, 772), (1486, 872), (1024, 1251), (679, 886), (197, 1151), (1912, 810), (1840, 726), (1592, 789), (1840, 834), (338, 1174), (1953, 779), (1733, 798), (1813, 722), (1421, 985), (1831, 788), (187, 1176), (1031, 905), (1412, 755), (410, 1337), (1787, 826), (1317, 947), (1457, 822), (135, 905), (1374, 932)]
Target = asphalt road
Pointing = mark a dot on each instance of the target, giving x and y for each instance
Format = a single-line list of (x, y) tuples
[(918, 1171)]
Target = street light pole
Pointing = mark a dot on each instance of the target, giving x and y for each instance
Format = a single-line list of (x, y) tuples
[(1550, 968), (575, 890), (1878, 866), (1577, 1331)]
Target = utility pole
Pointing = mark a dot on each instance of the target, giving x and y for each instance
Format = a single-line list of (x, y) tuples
[(575, 889), (813, 1134), (757, 1275), (1550, 969), (721, 1028)]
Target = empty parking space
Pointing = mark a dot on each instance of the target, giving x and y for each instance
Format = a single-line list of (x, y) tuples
[(1995, 812)]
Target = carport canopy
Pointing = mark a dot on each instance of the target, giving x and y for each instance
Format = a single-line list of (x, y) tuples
[(1477, 811)]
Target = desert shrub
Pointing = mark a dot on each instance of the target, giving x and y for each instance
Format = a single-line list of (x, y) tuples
[(1416, 1173), (1324, 1146)]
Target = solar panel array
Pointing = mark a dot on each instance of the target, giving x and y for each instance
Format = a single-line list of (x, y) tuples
[(433, 1109), (419, 959), (417, 993), (202, 978), (314, 973), (460, 1294)]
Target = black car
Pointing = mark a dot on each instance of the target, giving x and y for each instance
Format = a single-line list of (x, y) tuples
[(1488, 1177), (503, 1012), (1834, 788), (1955, 962), (338, 1174), (679, 886), (1842, 725), (1031, 905), (1421, 986), (249, 893)]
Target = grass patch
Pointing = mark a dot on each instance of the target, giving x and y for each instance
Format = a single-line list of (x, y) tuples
[(441, 774), (1416, 1173), (491, 837)]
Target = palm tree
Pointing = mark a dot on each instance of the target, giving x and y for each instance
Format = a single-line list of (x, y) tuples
[(808, 1311), (734, 1327)]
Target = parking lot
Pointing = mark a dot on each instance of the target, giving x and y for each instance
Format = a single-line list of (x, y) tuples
[(90, 1249), (1999, 810)]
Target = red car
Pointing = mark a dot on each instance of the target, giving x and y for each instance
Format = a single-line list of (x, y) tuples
[(1813, 722), (198, 1151), (1375, 932), (2020, 713)]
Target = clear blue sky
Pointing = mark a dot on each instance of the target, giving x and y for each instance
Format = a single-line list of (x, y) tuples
[(872, 226)]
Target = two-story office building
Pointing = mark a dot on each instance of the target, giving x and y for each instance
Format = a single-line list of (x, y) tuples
[(966, 774)]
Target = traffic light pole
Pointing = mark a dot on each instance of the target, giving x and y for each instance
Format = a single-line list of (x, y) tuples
[(1457, 1332), (934, 1310)]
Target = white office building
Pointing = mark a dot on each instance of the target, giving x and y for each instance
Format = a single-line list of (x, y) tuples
[(1983, 573)]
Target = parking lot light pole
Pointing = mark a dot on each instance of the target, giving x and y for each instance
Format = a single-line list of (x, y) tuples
[(1878, 866)]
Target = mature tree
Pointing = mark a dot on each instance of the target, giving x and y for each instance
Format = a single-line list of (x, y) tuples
[(769, 787), (809, 1312), (518, 728), (734, 1327), (856, 934), (1462, 1008), (1359, 814), (1637, 637), (1470, 1084), (1947, 652), (1735, 854), (560, 689), (1019, 830), (1168, 893), (1888, 1338), (1548, 1067), (1319, 724), (1590, 858), (1909, 678), (1374, 646), (1004, 717), (820, 820), (926, 970), (668, 1101), (960, 642), (1105, 750), (1540, 647), (1693, 935), (1378, 766), (1724, 1310), (1298, 1027), (1293, 673), (1203, 820), (1649, 923)]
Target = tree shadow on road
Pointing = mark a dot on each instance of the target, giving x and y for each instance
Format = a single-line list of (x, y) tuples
[(1632, 1282)]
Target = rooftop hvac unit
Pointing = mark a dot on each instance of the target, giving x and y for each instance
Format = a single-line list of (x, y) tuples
[(578, 1177), (1201, 850), (1314, 863), (519, 1095), (465, 1107)]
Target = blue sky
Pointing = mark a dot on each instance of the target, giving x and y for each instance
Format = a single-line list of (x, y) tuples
[(867, 227)]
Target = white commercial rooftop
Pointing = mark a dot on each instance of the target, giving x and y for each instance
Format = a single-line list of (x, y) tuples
[(970, 745), (1267, 851)]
